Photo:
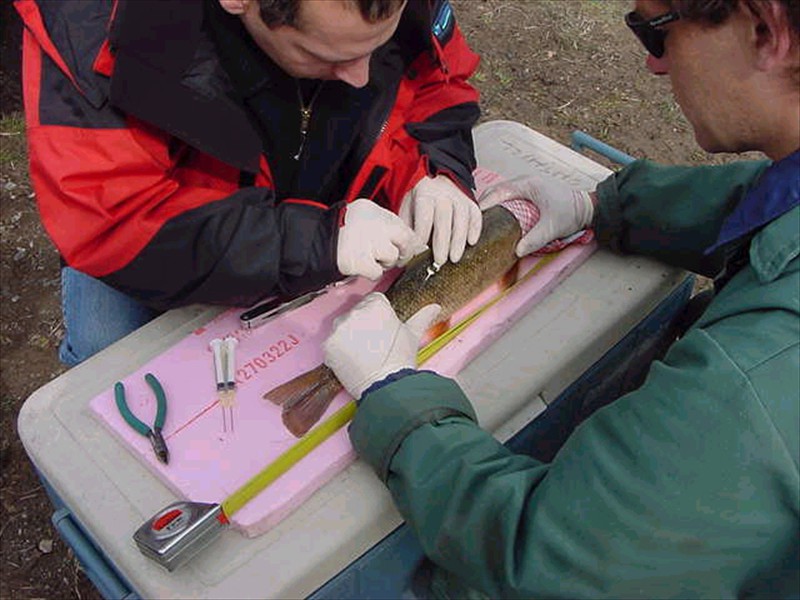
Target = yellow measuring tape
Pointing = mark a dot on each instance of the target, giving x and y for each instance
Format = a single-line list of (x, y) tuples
[(260, 481), (440, 342), (256, 484)]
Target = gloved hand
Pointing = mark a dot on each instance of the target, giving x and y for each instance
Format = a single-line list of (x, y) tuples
[(373, 239), (437, 203), (370, 342), (563, 210)]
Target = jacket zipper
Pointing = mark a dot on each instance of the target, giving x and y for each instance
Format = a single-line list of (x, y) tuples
[(367, 148), (306, 112)]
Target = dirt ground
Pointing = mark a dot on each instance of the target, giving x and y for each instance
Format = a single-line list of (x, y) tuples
[(556, 66)]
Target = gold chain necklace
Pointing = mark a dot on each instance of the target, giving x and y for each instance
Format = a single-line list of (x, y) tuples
[(305, 115)]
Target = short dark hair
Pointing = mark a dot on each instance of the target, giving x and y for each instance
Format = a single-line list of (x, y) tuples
[(716, 12), (284, 12)]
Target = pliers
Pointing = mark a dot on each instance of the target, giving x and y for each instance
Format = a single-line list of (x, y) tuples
[(154, 434)]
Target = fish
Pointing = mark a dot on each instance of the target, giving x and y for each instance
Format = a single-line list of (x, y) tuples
[(305, 398)]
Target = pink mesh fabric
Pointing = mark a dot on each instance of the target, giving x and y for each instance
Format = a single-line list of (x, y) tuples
[(525, 211)]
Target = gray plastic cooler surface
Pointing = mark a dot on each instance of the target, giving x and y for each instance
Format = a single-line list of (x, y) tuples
[(111, 494)]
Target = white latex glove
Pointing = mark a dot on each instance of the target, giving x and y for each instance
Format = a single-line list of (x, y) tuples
[(436, 203), (373, 239), (370, 342), (563, 210)]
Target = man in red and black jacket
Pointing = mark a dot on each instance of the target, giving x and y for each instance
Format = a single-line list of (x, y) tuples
[(222, 151)]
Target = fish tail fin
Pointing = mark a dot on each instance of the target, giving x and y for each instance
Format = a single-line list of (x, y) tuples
[(303, 411), (296, 388)]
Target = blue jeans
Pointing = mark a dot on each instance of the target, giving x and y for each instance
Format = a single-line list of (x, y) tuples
[(95, 316)]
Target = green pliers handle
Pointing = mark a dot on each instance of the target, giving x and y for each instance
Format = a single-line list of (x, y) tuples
[(130, 418), (161, 399), (154, 434)]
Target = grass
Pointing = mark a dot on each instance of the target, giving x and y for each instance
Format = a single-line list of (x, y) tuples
[(13, 150)]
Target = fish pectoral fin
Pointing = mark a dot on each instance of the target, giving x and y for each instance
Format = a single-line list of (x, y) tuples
[(304, 410), (510, 277)]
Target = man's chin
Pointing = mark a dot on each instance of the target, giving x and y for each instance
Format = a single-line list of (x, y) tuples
[(715, 146), (708, 143)]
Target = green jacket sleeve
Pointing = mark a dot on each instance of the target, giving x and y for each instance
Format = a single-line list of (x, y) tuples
[(639, 502), (671, 213)]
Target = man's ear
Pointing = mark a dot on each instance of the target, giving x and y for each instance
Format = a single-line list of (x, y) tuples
[(773, 35), (235, 7)]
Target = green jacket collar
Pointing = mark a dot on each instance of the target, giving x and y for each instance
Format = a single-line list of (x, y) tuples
[(775, 245)]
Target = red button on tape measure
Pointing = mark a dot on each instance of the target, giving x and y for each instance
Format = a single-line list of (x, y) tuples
[(166, 519)]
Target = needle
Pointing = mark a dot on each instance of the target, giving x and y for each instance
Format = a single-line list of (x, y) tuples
[(228, 396), (224, 368)]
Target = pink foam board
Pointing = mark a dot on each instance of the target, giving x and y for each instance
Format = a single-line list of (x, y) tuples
[(207, 464)]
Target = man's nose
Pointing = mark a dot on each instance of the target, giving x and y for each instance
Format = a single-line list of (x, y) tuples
[(354, 73), (657, 66)]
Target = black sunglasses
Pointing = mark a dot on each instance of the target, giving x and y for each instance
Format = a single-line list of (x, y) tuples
[(648, 32)]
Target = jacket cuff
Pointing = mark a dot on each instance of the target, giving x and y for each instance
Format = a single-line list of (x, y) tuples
[(458, 173), (446, 144), (608, 221), (391, 378), (386, 416), (321, 245)]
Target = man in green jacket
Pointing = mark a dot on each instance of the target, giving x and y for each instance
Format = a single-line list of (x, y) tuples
[(689, 485)]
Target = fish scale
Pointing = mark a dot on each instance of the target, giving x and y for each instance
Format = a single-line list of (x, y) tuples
[(306, 397), (455, 284)]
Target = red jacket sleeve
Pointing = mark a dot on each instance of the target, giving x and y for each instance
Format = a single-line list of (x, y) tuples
[(442, 110), (145, 212)]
